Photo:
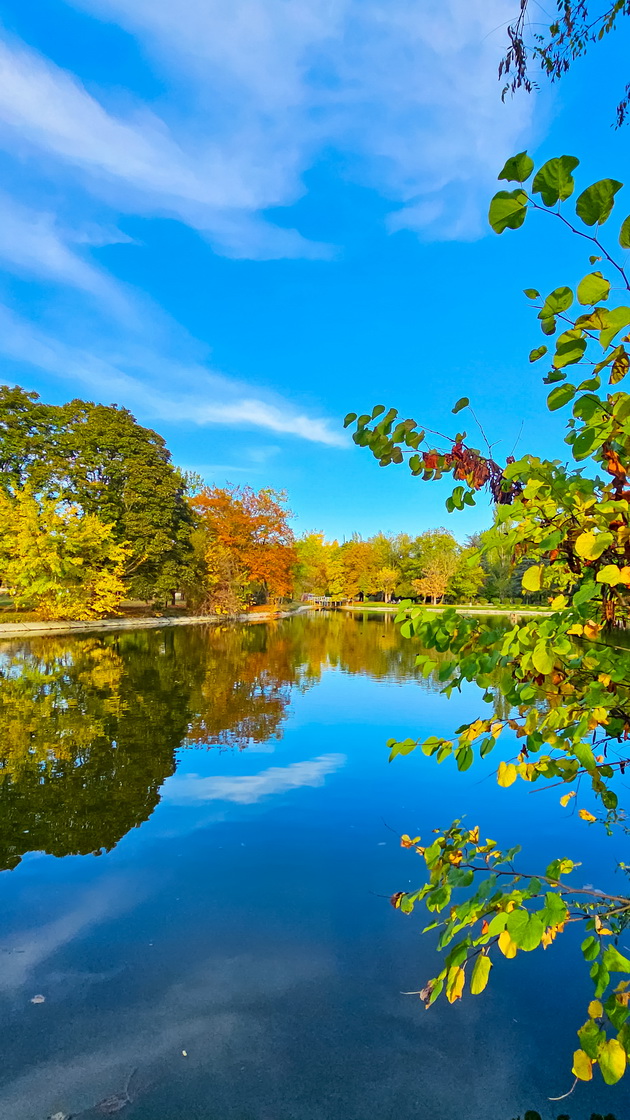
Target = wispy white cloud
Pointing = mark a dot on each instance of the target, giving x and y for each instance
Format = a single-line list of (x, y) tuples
[(254, 94), (248, 789), (148, 381), (258, 90), (34, 244)]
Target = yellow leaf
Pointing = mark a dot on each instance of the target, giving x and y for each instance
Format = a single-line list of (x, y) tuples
[(577, 628), (582, 1066), (455, 984), (603, 678), (591, 629), (595, 1009), (506, 774), (624, 574), (506, 945), (564, 800), (586, 816), (407, 842), (496, 729)]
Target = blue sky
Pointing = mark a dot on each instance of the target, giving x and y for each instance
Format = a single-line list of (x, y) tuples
[(244, 220)]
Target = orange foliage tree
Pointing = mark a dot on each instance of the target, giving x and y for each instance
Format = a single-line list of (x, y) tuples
[(248, 545)]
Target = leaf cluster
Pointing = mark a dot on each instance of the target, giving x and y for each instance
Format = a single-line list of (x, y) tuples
[(563, 682)]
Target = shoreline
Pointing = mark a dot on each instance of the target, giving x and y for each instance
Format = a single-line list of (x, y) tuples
[(35, 629), (392, 608)]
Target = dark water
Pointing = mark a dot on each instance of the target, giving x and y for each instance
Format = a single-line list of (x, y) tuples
[(195, 832)]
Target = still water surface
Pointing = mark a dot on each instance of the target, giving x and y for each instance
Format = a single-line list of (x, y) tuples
[(197, 851)]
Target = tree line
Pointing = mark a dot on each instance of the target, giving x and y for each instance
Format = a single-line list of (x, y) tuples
[(93, 512)]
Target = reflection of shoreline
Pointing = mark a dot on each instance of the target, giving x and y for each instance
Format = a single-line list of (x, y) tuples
[(90, 725)]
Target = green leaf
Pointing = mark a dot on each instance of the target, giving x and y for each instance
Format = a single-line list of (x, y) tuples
[(539, 352), (480, 974), (525, 929), (350, 418), (614, 961), (554, 912), (595, 203), (463, 402), (531, 293), (560, 396), (584, 443), (590, 948), (612, 1060), (507, 210), (624, 233), (554, 182), (587, 591), (517, 169), (593, 288), (532, 579)]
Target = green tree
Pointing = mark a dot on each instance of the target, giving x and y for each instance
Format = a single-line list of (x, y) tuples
[(100, 458), (564, 680), (469, 577)]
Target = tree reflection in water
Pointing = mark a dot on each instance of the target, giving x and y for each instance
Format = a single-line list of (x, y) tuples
[(90, 725)]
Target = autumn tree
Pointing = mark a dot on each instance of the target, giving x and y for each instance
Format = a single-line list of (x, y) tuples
[(385, 580), (249, 544), (57, 560), (359, 567), (312, 564), (437, 555), (563, 681)]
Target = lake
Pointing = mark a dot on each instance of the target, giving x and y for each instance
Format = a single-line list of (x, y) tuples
[(199, 835)]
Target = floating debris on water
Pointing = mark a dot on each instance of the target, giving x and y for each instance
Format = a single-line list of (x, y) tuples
[(109, 1105)]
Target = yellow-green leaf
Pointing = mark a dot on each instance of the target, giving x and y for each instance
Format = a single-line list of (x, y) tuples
[(582, 1066), (506, 774), (612, 1060), (532, 578), (595, 1009), (480, 975), (609, 574), (590, 545), (542, 658), (455, 984)]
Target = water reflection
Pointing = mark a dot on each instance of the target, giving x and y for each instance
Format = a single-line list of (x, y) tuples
[(90, 726)]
